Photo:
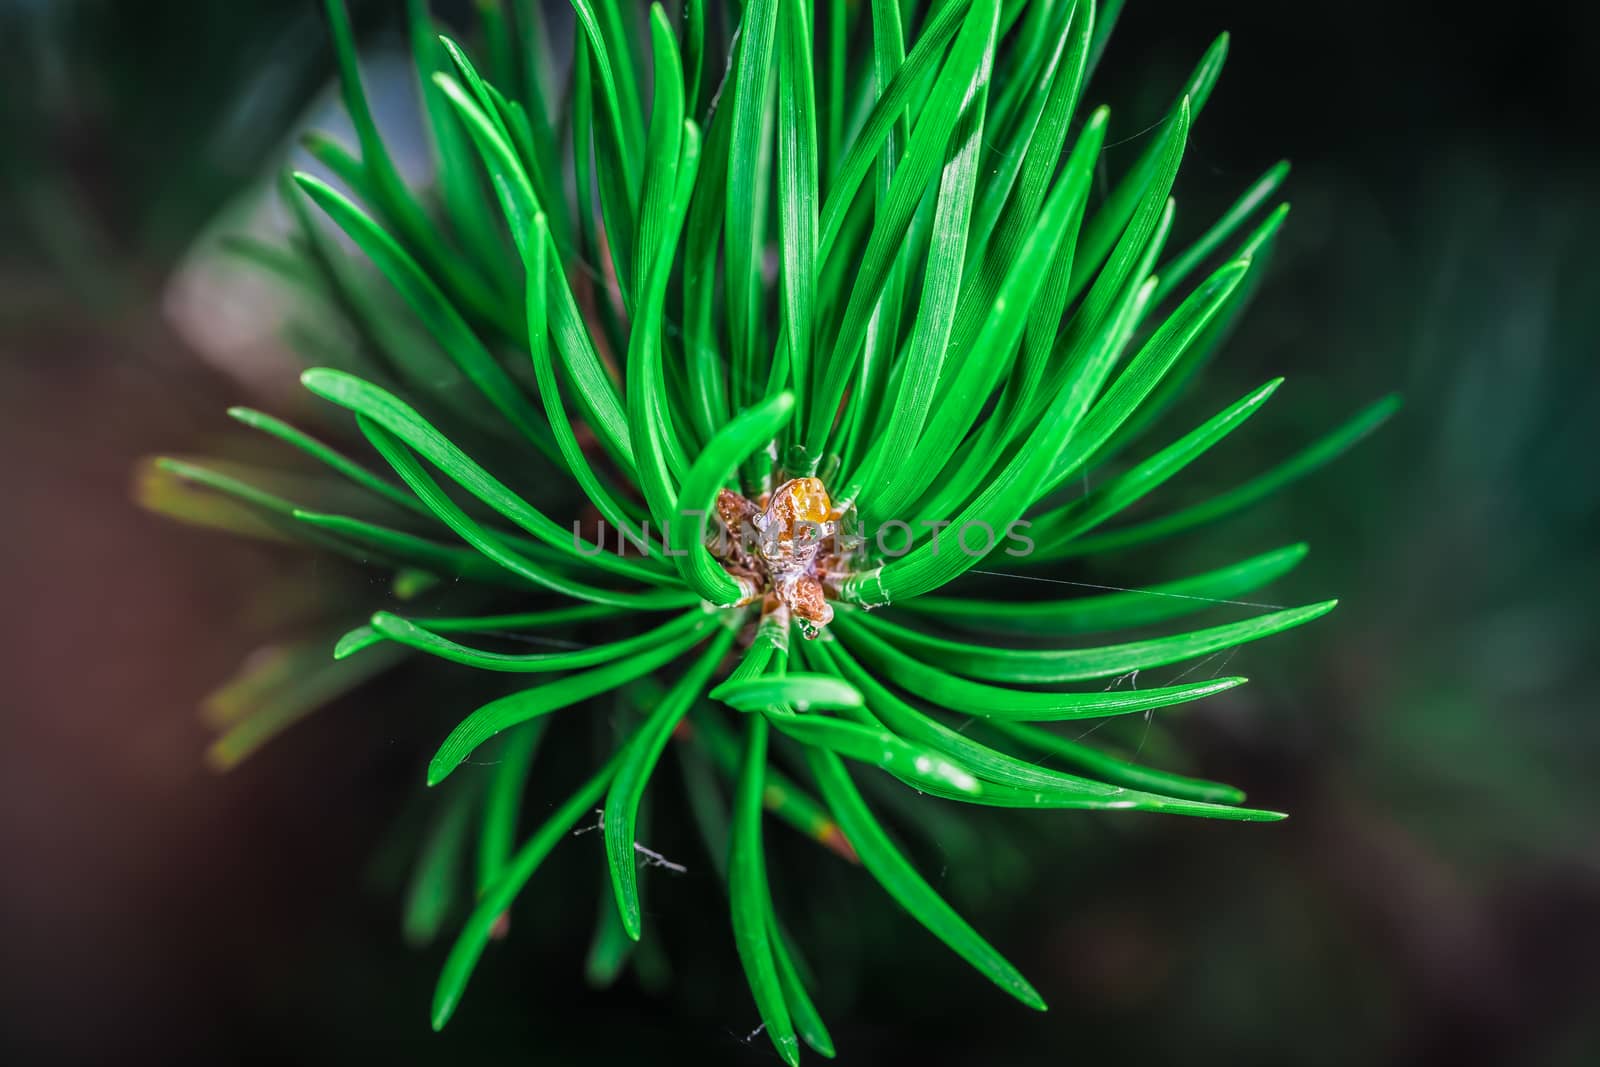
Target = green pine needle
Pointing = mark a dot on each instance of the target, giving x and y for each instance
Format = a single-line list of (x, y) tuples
[(650, 376)]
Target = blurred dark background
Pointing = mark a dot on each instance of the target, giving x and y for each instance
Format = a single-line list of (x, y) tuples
[(1432, 899)]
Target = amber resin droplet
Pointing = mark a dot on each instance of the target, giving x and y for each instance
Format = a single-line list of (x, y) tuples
[(786, 544)]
